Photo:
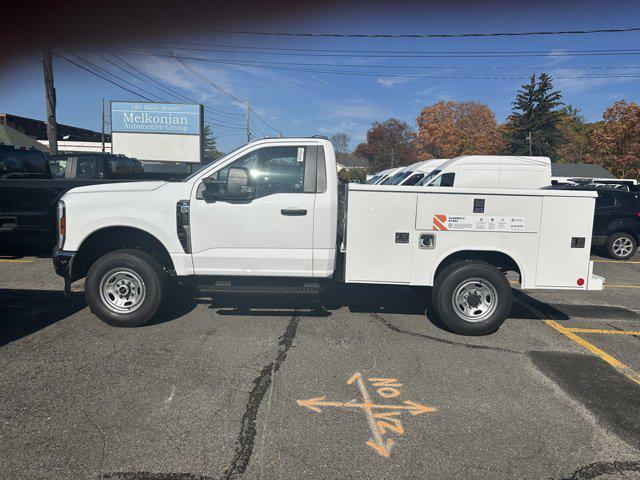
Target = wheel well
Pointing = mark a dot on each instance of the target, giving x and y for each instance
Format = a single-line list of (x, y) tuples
[(629, 231), (501, 261), (109, 239)]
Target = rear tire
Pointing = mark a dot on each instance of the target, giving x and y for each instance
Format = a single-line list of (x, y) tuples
[(125, 288), (621, 246), (472, 297)]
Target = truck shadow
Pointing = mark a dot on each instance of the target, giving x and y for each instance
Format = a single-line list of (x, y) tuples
[(23, 312), (371, 299)]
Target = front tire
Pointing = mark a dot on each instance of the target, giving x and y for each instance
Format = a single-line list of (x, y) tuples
[(125, 288), (621, 246), (472, 297)]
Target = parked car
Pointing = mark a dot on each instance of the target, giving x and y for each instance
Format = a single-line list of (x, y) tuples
[(412, 174), (95, 165), (616, 223), (31, 185), (491, 171)]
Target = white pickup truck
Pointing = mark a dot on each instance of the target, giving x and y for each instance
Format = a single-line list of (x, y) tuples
[(269, 217)]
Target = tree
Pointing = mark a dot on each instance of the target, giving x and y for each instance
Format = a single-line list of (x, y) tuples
[(574, 132), (211, 152), (344, 176), (615, 142), (450, 129), (340, 142), (389, 144), (359, 174), (535, 112)]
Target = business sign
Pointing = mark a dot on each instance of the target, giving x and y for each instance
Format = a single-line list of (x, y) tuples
[(157, 131)]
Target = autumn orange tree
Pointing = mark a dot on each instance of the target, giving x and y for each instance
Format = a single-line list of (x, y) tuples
[(614, 143), (448, 129), (574, 132), (389, 144)]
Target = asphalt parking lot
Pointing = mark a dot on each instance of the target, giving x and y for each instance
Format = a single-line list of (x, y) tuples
[(364, 387)]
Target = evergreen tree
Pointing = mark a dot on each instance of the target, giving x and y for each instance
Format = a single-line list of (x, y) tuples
[(211, 152), (535, 110)]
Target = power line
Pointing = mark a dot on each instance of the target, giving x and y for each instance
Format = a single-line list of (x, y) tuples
[(431, 35), (98, 75), (262, 121), (433, 67), (204, 78), (382, 74), (215, 46), (128, 89), (424, 54), (170, 90)]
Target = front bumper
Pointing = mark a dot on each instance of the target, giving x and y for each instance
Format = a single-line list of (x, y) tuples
[(63, 262)]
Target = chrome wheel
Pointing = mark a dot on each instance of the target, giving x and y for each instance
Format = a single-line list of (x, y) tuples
[(122, 290), (474, 300), (622, 246)]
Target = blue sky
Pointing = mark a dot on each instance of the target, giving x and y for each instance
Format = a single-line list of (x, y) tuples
[(307, 103)]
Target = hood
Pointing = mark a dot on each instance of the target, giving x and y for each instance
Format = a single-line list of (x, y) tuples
[(119, 187)]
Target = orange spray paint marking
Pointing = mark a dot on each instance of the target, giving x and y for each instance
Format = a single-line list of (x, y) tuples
[(383, 419)]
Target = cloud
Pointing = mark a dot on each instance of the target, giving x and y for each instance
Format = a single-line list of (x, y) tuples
[(571, 81), (355, 109), (390, 82)]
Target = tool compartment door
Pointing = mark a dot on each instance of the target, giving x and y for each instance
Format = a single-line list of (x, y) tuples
[(562, 262), (381, 230)]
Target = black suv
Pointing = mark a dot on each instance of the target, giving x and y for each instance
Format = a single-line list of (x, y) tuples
[(616, 224)]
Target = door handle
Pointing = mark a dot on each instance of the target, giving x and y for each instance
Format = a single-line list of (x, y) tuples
[(293, 212)]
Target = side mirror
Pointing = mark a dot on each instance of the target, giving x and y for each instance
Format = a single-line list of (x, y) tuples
[(237, 186)]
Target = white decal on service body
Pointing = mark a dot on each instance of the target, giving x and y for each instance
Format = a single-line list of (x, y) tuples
[(479, 223)]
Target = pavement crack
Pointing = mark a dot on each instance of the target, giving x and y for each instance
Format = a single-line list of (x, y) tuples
[(261, 384), (103, 437), (599, 469), (383, 321), (621, 330)]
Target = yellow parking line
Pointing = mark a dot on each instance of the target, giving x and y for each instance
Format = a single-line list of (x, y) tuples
[(15, 261), (597, 330), (621, 286), (617, 261), (614, 362)]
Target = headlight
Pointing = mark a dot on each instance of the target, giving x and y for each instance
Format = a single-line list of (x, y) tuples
[(62, 224)]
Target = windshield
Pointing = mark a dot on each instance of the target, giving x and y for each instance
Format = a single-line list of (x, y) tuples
[(373, 179), (425, 181), (397, 178), (215, 162)]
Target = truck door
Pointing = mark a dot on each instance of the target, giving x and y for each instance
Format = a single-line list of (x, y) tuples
[(270, 235)]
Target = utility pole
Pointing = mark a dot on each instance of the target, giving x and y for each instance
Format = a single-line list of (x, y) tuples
[(102, 136), (246, 108), (50, 95), (392, 155), (528, 137)]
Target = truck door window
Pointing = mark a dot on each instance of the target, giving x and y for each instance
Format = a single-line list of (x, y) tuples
[(605, 200), (444, 180), (120, 167), (414, 179), (86, 167), (272, 169), (58, 167), (23, 164)]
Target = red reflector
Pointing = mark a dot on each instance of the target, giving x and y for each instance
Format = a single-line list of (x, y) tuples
[(638, 215), (580, 282)]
